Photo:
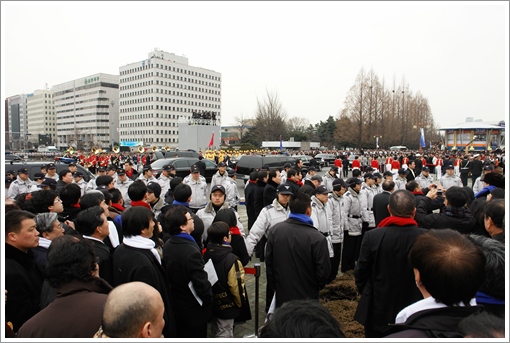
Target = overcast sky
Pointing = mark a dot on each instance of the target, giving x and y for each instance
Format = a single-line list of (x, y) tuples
[(309, 53)]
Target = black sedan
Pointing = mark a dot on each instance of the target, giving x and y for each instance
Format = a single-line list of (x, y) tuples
[(183, 166)]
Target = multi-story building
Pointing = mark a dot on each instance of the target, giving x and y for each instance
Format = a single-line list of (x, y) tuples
[(42, 122), (161, 92), (87, 112), (16, 111)]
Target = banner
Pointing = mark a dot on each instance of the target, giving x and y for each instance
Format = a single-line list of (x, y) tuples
[(422, 138), (281, 143), (211, 143)]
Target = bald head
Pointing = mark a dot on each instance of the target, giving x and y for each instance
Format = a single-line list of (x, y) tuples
[(133, 309)]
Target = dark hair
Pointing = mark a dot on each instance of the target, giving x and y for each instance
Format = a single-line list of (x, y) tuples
[(88, 220), (470, 196), (482, 325), (451, 266), (302, 319), (107, 195), (497, 193), (291, 172), (43, 199), (70, 194), (402, 203), (14, 218), (24, 202), (456, 196), (104, 180), (412, 185), (116, 195), (226, 215), (137, 190), (92, 198), (135, 219), (175, 182), (70, 258), (262, 174), (182, 192), (388, 185), (273, 173), (495, 209), (63, 173), (217, 231), (494, 251), (14, 206), (356, 172), (254, 175), (299, 203), (174, 218)]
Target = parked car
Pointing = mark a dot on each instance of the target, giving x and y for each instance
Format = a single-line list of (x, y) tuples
[(248, 163), (306, 161), (12, 157), (351, 158), (183, 166), (328, 159), (35, 167)]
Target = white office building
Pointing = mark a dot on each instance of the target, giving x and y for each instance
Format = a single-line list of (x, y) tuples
[(87, 112), (158, 93), (42, 122), (17, 134)]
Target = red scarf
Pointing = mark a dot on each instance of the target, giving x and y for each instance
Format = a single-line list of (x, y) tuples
[(418, 193), (118, 207), (254, 182), (141, 203), (397, 221), (235, 231)]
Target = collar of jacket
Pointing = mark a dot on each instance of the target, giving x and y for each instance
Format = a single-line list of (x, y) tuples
[(319, 203), (279, 206), (209, 207)]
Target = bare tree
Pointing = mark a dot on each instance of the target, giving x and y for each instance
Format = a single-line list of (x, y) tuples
[(242, 122), (270, 118)]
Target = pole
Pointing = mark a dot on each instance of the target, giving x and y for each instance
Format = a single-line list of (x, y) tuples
[(257, 276)]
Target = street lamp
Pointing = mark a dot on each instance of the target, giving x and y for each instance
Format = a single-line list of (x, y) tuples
[(377, 141)]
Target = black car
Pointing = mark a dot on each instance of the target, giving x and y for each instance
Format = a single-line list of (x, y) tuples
[(248, 163), (35, 167), (328, 159), (183, 166), (306, 161), (12, 157)]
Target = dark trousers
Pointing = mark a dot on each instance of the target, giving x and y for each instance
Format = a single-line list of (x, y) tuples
[(184, 331), (464, 178), (335, 261), (352, 245), (369, 333), (473, 179), (345, 171)]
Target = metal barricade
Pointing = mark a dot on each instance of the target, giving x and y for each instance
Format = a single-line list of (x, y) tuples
[(255, 271)]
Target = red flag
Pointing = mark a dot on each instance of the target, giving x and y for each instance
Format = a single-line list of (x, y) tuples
[(211, 143)]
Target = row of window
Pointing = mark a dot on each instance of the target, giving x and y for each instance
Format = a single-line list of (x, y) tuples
[(169, 76), (89, 86), (169, 68), (167, 84)]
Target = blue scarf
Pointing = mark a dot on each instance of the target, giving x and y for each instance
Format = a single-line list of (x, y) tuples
[(485, 190), (483, 298), (301, 217), (178, 203), (185, 236)]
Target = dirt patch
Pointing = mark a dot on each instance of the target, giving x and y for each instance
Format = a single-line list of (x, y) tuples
[(341, 298)]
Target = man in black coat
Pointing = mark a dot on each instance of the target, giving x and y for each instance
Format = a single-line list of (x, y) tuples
[(201, 165), (383, 274), (475, 168), (411, 171), (382, 200), (23, 280), (249, 198)]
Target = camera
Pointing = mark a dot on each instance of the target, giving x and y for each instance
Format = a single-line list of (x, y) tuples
[(439, 192)]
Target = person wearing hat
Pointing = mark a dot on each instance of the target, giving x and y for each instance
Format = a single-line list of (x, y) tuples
[(78, 179), (401, 179), (43, 169), (154, 198), (283, 173), (353, 208), (122, 184), (165, 177), (491, 181), (49, 184), (338, 222), (329, 177), (309, 186), (367, 194), (310, 172), (478, 185), (22, 184), (475, 168), (111, 170), (198, 187), (388, 175), (378, 182), (270, 215), (91, 185), (146, 175), (207, 214), (319, 215), (233, 196), (72, 167), (449, 179), (425, 179), (220, 176), (36, 184), (52, 171), (65, 178)]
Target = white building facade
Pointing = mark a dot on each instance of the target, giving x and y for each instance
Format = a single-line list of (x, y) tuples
[(18, 122), (87, 112), (42, 121), (158, 93)]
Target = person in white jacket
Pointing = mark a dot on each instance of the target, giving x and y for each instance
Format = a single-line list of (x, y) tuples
[(277, 212), (198, 186), (338, 218), (320, 218)]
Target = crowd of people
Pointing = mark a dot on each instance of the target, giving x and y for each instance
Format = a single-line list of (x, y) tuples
[(132, 254)]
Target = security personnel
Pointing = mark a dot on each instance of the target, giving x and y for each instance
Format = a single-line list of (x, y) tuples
[(146, 175), (122, 184), (78, 179), (367, 194), (338, 219), (425, 179), (220, 176), (352, 233), (464, 170), (165, 177), (401, 179), (198, 187), (329, 177), (52, 172), (319, 215), (22, 184), (449, 179), (230, 184)]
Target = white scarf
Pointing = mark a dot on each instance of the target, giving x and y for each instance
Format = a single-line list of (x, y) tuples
[(44, 242), (142, 243), (114, 235)]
